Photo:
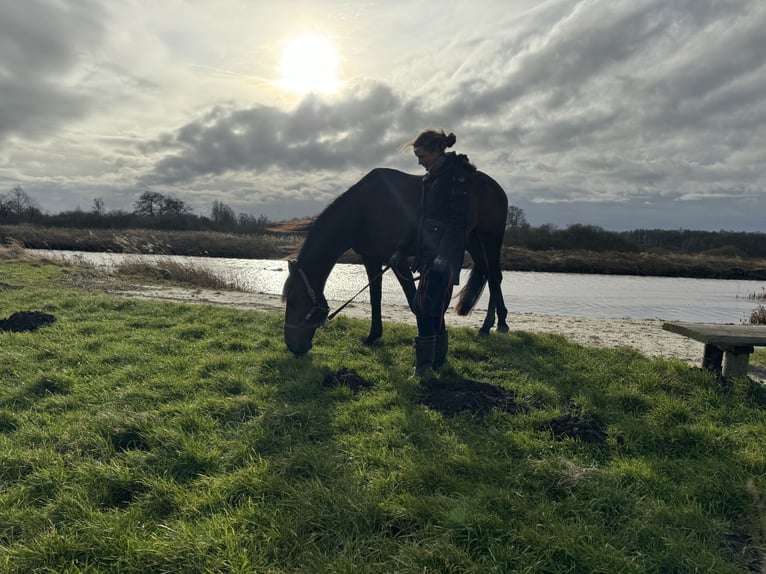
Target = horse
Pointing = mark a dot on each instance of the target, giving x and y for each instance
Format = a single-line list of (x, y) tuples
[(371, 218)]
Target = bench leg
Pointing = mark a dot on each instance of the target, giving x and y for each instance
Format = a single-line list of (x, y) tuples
[(712, 359), (735, 361)]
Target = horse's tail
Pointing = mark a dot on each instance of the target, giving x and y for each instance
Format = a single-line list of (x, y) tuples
[(473, 289)]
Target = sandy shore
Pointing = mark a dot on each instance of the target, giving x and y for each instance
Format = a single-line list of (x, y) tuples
[(645, 336)]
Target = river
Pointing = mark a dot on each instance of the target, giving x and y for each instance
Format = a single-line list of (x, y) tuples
[(573, 294)]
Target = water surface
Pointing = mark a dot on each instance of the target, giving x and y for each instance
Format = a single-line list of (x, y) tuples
[(582, 295)]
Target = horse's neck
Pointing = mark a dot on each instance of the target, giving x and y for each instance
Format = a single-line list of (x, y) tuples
[(322, 249)]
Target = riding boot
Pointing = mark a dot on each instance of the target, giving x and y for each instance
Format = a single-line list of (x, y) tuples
[(440, 350), (424, 357)]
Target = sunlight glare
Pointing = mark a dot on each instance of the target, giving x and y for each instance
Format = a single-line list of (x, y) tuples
[(309, 64)]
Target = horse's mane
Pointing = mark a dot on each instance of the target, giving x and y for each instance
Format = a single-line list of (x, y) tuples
[(319, 223)]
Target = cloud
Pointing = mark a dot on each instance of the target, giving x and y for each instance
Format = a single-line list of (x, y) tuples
[(564, 102), (40, 44), (316, 135)]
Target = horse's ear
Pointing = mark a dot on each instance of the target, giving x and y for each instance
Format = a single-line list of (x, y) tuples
[(292, 265)]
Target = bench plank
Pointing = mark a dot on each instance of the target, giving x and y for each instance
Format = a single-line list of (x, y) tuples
[(727, 347), (721, 335)]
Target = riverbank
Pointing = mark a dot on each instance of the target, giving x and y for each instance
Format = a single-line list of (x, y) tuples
[(274, 246), (645, 336)]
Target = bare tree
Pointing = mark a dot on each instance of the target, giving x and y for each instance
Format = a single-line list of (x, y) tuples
[(152, 203), (17, 202), (173, 206), (148, 203), (516, 219), (222, 214), (98, 206)]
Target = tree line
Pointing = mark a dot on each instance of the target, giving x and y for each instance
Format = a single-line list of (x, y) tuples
[(153, 210), (519, 233)]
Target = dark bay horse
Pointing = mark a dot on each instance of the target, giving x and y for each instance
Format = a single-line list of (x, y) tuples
[(371, 218)]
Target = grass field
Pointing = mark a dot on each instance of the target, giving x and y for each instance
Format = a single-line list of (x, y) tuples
[(143, 437)]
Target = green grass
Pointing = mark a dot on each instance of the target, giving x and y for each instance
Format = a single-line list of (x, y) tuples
[(140, 436)]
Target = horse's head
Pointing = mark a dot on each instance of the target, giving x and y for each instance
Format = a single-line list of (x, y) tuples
[(305, 310)]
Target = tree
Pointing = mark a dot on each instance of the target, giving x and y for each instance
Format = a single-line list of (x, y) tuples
[(152, 203), (18, 203), (98, 206), (516, 219), (173, 206), (148, 204), (222, 215)]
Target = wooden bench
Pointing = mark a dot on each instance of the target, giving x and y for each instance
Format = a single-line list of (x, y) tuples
[(727, 347)]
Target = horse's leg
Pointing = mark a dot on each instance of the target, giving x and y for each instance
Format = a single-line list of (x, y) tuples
[(376, 294), (475, 247), (406, 280), (492, 245), (496, 299), (489, 319), (502, 310)]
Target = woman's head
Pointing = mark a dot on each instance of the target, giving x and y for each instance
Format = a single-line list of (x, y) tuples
[(430, 146)]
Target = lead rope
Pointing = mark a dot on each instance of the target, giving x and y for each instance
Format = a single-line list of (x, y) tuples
[(339, 309)]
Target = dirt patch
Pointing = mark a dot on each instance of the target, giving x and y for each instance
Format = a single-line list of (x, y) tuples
[(585, 428), (26, 321), (453, 396), (346, 378)]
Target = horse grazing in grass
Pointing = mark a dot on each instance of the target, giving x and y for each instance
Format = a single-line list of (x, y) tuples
[(371, 218)]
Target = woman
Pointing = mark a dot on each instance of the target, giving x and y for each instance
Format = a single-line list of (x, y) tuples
[(440, 242)]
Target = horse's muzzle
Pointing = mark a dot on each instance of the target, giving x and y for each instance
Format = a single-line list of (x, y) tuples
[(297, 345)]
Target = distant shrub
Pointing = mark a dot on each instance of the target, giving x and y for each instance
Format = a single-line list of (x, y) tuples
[(725, 251), (758, 316)]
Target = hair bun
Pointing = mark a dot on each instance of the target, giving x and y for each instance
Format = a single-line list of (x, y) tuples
[(450, 139)]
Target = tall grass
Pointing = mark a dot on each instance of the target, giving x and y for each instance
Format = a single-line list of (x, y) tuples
[(177, 272), (758, 316), (140, 436)]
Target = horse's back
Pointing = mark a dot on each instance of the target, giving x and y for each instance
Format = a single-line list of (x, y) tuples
[(385, 204), (492, 203)]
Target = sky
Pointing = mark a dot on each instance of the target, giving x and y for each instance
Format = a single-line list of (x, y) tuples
[(624, 114)]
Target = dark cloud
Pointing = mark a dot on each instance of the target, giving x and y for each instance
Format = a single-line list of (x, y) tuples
[(40, 44), (317, 135)]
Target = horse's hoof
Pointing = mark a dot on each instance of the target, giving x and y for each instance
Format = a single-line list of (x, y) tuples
[(502, 328), (369, 341), (483, 333)]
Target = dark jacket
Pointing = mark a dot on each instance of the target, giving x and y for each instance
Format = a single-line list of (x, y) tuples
[(443, 216)]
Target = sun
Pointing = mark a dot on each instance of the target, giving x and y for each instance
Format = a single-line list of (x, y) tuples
[(309, 64)]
